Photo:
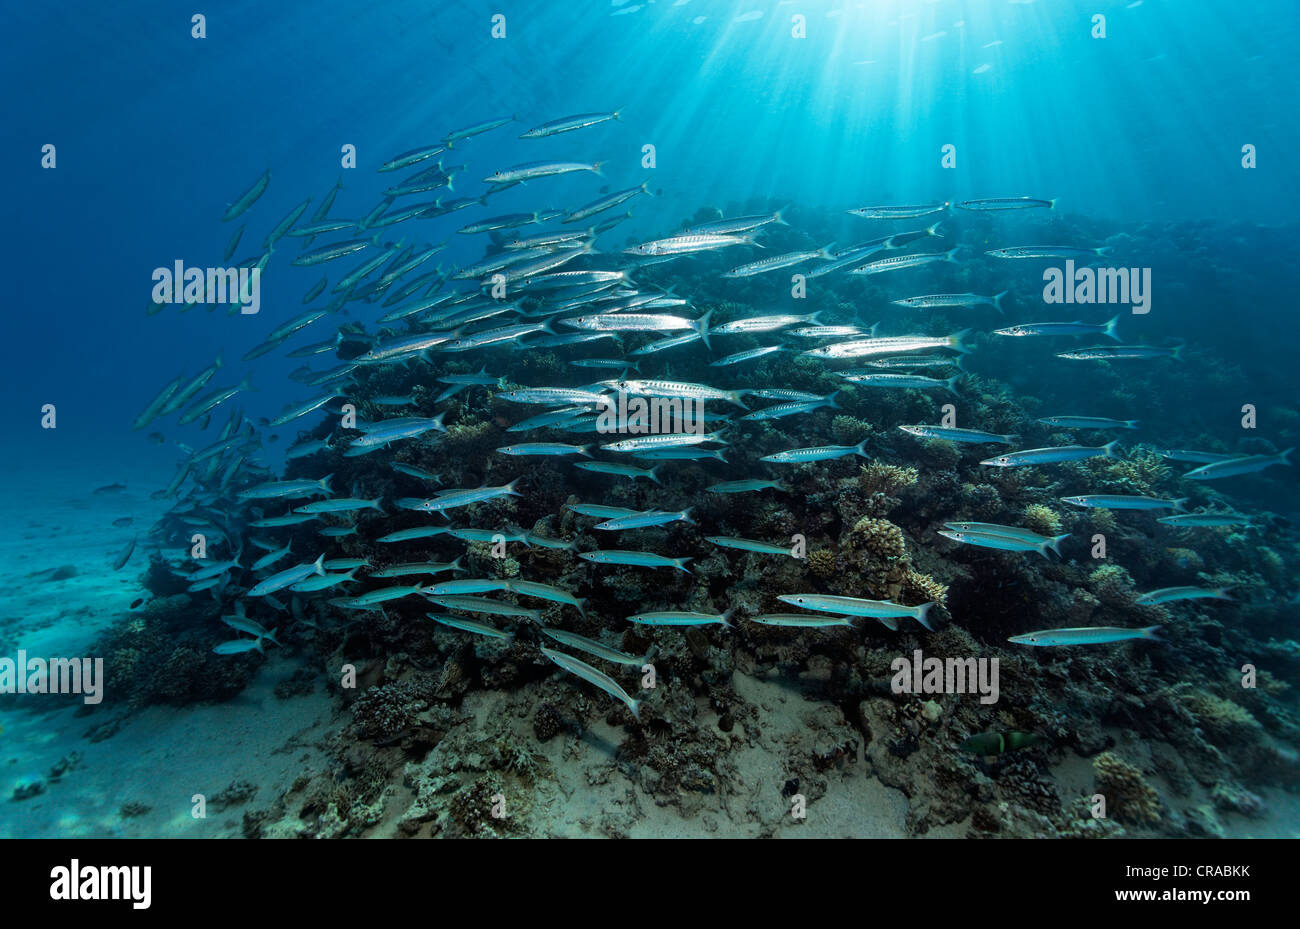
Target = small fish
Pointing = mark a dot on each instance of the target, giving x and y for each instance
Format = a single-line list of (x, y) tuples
[(535, 169), (248, 197), (1232, 467), (906, 261), (1048, 251), (1181, 454), (545, 448), (1039, 456), (120, 561), (1122, 352), (748, 355), (469, 625), (1086, 635), (519, 586), (745, 486), (457, 135), (1004, 203), (681, 618), (568, 124), (1072, 328), (619, 470), (748, 545), (636, 559), (899, 212), (238, 646), (1002, 539), (902, 381), (663, 440), (467, 586), (801, 620), (953, 434), (594, 676), (599, 510), (484, 605), (1125, 502), (417, 567), (780, 410), (1174, 594), (288, 577), (647, 519), (1206, 519), (592, 647), (408, 535), (817, 453), (932, 301), (1088, 422), (856, 606)]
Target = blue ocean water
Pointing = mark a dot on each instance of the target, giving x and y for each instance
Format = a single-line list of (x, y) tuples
[(1138, 136)]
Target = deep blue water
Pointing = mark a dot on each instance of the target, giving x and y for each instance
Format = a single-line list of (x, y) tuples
[(1137, 136), (156, 132)]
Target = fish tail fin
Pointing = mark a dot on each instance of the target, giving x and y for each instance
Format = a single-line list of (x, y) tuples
[(952, 384), (1109, 328), (889, 623), (686, 515), (585, 451), (1109, 449), (1132, 423), (510, 488), (318, 566), (922, 615), (701, 326), (1012, 438), (830, 401), (1180, 504), (1105, 250), (957, 341), (1285, 457), (680, 564), (997, 301), (826, 254), (1054, 543), (961, 364), (1051, 204), (654, 474), (861, 449), (324, 483), (455, 565), (950, 254), (374, 505), (725, 618), (595, 167), (1151, 632), (635, 707), (934, 230)]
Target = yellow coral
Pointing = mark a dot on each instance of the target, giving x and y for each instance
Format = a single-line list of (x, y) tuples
[(1223, 719), (821, 562), (1129, 797), (878, 478), (1042, 519), (921, 588)]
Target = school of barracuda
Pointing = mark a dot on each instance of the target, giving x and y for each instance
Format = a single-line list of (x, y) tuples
[(563, 291)]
